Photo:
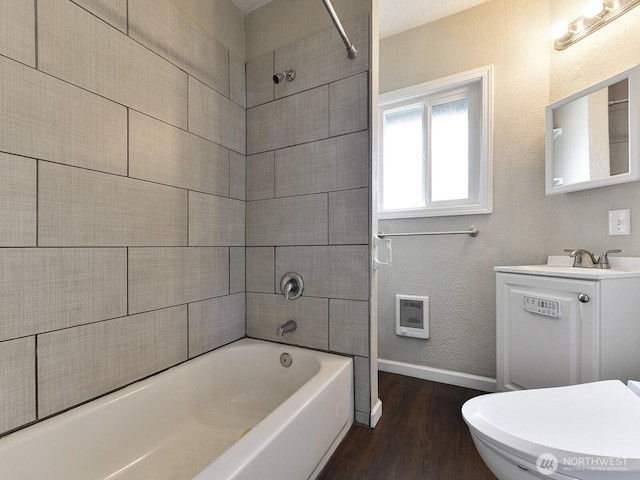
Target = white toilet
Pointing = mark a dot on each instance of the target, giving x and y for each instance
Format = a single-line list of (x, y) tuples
[(589, 431)]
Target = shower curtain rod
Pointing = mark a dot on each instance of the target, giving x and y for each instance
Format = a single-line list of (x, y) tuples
[(352, 51)]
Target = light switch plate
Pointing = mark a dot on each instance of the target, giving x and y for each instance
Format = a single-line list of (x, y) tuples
[(620, 222)]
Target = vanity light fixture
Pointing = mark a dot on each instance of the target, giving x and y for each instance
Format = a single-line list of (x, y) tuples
[(596, 14)]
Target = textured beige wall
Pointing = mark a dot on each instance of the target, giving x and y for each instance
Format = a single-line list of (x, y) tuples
[(456, 272), (280, 23), (580, 218)]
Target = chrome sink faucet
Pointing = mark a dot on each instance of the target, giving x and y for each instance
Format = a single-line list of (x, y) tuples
[(584, 259)]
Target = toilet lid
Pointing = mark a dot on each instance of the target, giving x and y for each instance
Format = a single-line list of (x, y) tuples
[(600, 419)]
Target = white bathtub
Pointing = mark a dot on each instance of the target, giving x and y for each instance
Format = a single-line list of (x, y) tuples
[(235, 413)]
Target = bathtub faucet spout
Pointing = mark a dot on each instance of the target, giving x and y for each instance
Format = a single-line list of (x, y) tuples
[(288, 327)]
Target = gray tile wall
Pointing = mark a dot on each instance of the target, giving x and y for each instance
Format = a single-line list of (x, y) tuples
[(130, 218), (122, 198), (308, 197), (17, 31)]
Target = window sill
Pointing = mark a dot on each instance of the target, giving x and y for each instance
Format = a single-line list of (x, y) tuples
[(434, 212)]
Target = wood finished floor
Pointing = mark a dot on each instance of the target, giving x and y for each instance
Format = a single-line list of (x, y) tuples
[(421, 435)]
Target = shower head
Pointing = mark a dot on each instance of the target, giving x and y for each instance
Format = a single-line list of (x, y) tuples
[(288, 74)]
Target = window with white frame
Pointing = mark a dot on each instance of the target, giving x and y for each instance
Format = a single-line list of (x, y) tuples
[(436, 147)]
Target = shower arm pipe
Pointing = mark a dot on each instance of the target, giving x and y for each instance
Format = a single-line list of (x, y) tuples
[(472, 232), (352, 51)]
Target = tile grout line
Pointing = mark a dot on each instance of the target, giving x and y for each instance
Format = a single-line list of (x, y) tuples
[(35, 31), (127, 280), (128, 142), (37, 203), (37, 392)]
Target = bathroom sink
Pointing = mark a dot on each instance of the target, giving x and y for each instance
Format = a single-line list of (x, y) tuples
[(561, 266)]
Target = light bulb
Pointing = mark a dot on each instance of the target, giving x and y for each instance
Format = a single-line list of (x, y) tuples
[(593, 8), (559, 29)]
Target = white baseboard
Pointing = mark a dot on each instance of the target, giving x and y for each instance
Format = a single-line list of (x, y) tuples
[(459, 379), (376, 413)]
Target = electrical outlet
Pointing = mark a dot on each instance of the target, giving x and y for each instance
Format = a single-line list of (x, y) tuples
[(620, 222)]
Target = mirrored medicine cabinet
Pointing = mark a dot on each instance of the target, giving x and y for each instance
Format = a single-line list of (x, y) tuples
[(592, 136)]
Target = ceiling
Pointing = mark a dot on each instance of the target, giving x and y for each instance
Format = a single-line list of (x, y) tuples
[(397, 15), (400, 15)]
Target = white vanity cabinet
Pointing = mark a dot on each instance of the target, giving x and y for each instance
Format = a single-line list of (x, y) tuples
[(562, 325)]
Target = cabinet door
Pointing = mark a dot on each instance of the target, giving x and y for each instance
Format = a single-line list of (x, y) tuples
[(546, 334)]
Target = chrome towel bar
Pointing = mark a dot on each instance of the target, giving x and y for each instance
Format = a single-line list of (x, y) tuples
[(473, 232)]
